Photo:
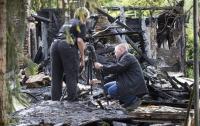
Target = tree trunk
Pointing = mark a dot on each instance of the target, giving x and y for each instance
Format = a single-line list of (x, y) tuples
[(199, 27), (63, 4), (27, 42), (15, 32), (3, 94)]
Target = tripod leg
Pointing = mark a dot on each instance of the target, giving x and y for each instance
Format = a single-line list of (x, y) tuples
[(90, 74)]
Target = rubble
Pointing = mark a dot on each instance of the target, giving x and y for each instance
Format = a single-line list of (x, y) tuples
[(37, 81), (66, 113), (83, 114), (169, 92), (161, 108)]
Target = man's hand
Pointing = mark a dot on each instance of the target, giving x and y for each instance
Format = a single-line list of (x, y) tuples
[(82, 63), (94, 81), (98, 65)]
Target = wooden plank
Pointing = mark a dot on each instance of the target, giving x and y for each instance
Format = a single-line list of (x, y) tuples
[(159, 114), (37, 81)]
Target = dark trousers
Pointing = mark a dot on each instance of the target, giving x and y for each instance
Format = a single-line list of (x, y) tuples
[(64, 61)]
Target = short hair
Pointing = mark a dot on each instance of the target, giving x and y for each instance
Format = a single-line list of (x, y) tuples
[(123, 46), (81, 13)]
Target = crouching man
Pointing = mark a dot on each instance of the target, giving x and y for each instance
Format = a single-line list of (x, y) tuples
[(129, 84)]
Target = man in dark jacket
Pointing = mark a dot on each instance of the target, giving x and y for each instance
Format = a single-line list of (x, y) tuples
[(65, 57), (129, 85)]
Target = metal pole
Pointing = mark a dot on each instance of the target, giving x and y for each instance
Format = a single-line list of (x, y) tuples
[(196, 61)]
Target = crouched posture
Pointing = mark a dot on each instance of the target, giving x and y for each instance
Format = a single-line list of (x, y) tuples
[(129, 84), (65, 57)]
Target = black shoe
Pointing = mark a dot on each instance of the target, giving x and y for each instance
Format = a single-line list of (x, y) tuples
[(134, 104), (126, 104), (70, 99)]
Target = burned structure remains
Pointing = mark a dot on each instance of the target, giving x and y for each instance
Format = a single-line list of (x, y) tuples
[(158, 42), (160, 38)]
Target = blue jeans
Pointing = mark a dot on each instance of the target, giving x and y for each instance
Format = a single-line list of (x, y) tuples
[(111, 88)]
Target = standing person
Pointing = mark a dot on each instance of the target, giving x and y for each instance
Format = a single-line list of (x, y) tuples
[(129, 85), (65, 56)]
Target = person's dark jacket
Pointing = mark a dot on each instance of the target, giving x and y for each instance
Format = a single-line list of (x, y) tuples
[(75, 29), (129, 76)]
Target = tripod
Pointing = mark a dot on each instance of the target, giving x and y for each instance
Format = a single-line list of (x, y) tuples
[(91, 59), (91, 52)]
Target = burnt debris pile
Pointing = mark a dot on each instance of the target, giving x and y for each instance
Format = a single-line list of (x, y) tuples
[(157, 41)]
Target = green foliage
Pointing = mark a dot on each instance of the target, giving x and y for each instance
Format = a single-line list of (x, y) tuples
[(130, 2), (31, 67), (190, 50), (18, 99), (40, 4), (189, 46), (190, 72), (103, 123), (35, 5), (190, 40), (145, 3)]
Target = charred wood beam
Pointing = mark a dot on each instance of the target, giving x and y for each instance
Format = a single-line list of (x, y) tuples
[(174, 85), (156, 92), (171, 89), (149, 78), (109, 121), (141, 8), (128, 120), (159, 93), (190, 63), (105, 50), (30, 96), (159, 116), (120, 33), (40, 18), (112, 19), (100, 104), (184, 85), (166, 103), (179, 95), (135, 47), (56, 20)]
